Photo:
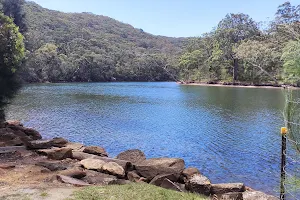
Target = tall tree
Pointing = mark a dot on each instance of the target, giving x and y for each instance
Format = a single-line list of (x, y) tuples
[(11, 54), (233, 29), (14, 9)]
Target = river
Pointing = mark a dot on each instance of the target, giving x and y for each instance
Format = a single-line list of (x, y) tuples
[(230, 134)]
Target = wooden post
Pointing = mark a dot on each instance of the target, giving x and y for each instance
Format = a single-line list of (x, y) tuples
[(283, 162)]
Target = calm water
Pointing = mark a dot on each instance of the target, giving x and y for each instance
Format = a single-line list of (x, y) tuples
[(230, 134)]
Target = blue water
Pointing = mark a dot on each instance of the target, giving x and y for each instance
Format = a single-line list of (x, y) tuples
[(230, 134)]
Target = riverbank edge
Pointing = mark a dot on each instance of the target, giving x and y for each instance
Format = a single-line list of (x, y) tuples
[(72, 163), (238, 85)]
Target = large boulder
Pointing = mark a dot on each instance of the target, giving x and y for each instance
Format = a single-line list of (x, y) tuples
[(254, 195), (227, 188), (79, 155), (114, 169), (199, 184), (167, 184), (188, 173), (98, 178), (33, 134), (99, 151), (92, 164), (229, 196), (53, 166), (74, 173), (157, 180), (39, 144), (156, 166), (59, 142), (133, 176), (75, 146), (72, 181), (59, 154), (133, 155)]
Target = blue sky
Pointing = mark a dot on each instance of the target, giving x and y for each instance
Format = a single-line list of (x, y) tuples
[(177, 18)]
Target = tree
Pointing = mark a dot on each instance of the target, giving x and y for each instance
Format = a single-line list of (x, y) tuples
[(14, 9), (291, 58), (260, 58), (11, 54), (231, 31)]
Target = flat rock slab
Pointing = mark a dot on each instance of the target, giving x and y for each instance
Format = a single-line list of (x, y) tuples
[(133, 155), (99, 151), (227, 188), (157, 180), (59, 142), (92, 164), (60, 153), (39, 144), (152, 167), (74, 173), (114, 169), (256, 195), (167, 184), (98, 178), (53, 166), (72, 181), (7, 166), (75, 146), (199, 184)]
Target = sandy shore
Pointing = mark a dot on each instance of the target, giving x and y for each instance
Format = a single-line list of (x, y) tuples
[(237, 86)]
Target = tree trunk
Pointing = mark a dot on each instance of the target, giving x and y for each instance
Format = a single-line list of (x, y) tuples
[(2, 116), (235, 69)]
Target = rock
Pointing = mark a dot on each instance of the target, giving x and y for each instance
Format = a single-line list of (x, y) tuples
[(72, 181), (79, 155), (188, 173), (33, 134), (10, 155), (39, 144), (127, 166), (45, 170), (157, 180), (14, 123), (7, 166), (60, 154), (59, 142), (119, 182), (230, 196), (93, 164), (75, 146), (227, 188), (114, 169), (199, 184), (74, 173), (254, 195), (97, 178), (167, 184), (134, 156), (152, 167), (99, 151), (133, 176), (52, 166)]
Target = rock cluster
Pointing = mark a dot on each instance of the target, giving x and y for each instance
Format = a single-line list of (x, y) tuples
[(80, 165)]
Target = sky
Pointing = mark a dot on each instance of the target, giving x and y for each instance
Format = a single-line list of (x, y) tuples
[(174, 18)]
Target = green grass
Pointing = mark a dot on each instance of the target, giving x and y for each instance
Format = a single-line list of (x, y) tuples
[(132, 192)]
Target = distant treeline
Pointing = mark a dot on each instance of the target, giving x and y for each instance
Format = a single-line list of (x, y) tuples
[(242, 50)]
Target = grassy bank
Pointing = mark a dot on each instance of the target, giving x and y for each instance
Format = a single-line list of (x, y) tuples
[(131, 191)]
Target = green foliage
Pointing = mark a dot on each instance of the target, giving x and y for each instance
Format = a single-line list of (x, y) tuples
[(14, 10), (291, 58), (86, 47), (11, 54)]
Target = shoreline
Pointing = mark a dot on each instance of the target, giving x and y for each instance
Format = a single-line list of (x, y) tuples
[(239, 86), (58, 162)]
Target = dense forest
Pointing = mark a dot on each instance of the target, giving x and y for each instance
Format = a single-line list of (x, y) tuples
[(242, 51), (83, 47)]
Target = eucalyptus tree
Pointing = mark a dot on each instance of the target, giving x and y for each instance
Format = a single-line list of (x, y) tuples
[(230, 32), (11, 54)]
